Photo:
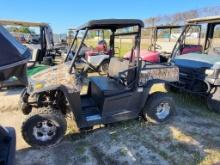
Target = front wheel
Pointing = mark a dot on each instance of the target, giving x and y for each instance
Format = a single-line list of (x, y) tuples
[(44, 127), (158, 108), (213, 100)]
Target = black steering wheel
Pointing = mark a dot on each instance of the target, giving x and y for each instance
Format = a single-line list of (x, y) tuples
[(87, 65), (123, 78)]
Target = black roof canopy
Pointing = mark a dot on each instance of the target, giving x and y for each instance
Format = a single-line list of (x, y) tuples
[(165, 27), (170, 27), (211, 19), (111, 24)]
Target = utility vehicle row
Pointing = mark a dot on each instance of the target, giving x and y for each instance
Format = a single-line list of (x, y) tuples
[(122, 91)]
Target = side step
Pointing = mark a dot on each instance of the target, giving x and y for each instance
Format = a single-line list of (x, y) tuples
[(93, 118)]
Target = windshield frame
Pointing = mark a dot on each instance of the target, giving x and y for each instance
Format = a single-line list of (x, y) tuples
[(137, 33), (182, 38)]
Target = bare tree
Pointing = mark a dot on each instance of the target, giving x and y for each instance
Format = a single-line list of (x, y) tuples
[(181, 17), (152, 21)]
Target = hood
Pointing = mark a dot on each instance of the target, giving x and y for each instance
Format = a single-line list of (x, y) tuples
[(55, 77), (198, 60)]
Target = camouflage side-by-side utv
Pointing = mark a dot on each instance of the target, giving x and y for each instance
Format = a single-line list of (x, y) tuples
[(123, 94)]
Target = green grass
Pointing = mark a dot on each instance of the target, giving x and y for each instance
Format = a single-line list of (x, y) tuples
[(189, 101), (81, 147)]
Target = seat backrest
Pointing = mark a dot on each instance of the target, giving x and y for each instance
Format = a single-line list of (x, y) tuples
[(116, 66), (35, 54), (35, 57)]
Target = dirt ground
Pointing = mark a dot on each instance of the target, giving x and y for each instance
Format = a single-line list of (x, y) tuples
[(191, 137)]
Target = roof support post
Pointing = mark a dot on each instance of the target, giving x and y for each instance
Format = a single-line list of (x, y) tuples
[(78, 50)]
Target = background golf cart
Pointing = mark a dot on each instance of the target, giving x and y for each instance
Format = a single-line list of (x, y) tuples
[(200, 71), (161, 40), (7, 146), (164, 39), (96, 55), (13, 59), (122, 95)]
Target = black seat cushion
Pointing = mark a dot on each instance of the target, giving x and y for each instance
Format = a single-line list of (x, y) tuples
[(102, 87), (107, 86)]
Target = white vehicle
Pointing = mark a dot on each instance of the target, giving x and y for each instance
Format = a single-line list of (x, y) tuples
[(97, 58)]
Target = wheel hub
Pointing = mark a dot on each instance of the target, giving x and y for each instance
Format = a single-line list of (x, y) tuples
[(44, 130), (163, 110), (105, 67)]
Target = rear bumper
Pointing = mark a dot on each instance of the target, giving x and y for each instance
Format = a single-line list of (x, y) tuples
[(162, 72)]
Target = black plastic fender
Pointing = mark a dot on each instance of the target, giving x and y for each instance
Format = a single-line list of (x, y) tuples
[(147, 87)]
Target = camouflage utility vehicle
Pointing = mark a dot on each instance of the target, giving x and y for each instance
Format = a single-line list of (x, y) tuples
[(197, 54), (122, 95)]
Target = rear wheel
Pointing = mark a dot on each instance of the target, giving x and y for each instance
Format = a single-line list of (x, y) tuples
[(103, 68), (44, 127), (213, 100), (158, 108)]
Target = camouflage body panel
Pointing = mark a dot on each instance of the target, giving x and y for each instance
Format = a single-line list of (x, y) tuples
[(55, 76), (167, 73)]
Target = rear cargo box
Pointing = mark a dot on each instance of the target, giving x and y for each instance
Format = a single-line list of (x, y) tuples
[(163, 72)]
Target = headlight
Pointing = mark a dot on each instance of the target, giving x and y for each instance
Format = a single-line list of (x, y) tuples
[(30, 86), (209, 72), (38, 85)]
